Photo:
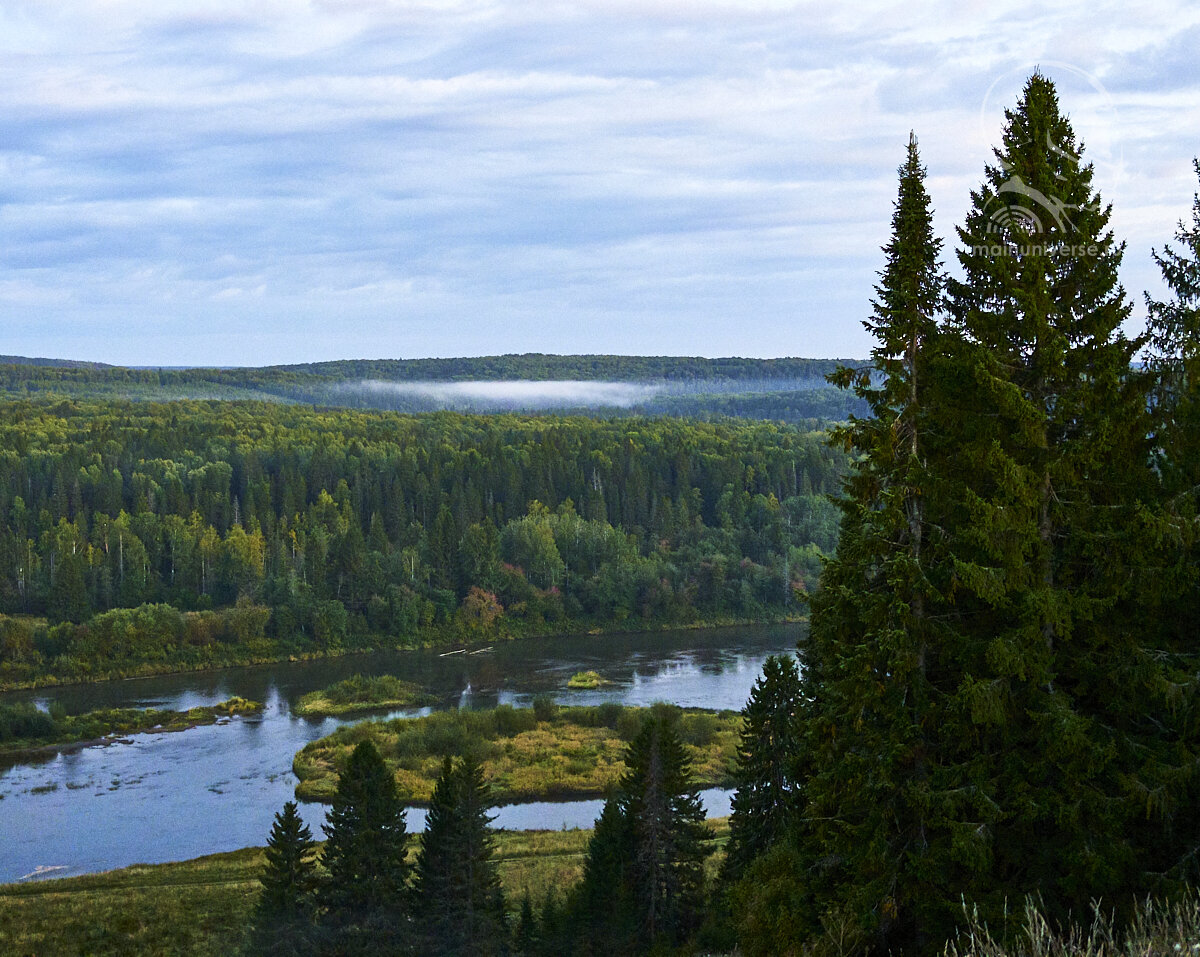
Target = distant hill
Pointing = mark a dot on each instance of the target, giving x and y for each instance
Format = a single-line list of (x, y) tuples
[(792, 389), (56, 363)]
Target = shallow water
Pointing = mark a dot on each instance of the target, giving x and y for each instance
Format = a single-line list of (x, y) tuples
[(166, 797)]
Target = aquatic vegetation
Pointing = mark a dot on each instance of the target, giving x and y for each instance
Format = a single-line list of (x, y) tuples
[(559, 753)]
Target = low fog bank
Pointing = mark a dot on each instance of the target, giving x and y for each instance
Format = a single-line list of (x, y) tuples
[(515, 394)]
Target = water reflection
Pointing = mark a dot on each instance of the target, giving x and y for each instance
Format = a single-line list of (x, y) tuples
[(160, 797)]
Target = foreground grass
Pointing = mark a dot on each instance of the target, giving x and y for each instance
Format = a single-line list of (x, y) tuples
[(540, 753), (359, 694), (1157, 930), (25, 730), (203, 907)]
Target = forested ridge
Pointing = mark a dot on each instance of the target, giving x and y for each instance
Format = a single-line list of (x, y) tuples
[(792, 390), (200, 532)]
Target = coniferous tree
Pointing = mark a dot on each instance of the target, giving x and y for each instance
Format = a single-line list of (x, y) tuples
[(1069, 699), (765, 802), (364, 895), (601, 914), (283, 917), (525, 935), (459, 903), (869, 709), (1174, 362), (962, 737)]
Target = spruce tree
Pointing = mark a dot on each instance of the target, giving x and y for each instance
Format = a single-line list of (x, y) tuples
[(667, 835), (871, 716), (963, 737), (459, 903), (1066, 696), (364, 894), (600, 911), (283, 917), (765, 802), (1174, 362)]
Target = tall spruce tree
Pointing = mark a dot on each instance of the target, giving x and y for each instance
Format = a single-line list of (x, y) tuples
[(283, 917), (364, 894), (962, 737), (1174, 362), (1067, 695), (643, 877), (871, 715), (765, 802), (459, 903)]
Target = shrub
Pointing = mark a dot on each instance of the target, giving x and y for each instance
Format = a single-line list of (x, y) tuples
[(545, 708)]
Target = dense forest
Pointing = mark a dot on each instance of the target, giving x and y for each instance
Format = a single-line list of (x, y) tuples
[(791, 390), (139, 535)]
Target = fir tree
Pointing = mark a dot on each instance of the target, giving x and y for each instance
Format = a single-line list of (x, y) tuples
[(458, 897), (283, 917), (525, 935), (601, 915), (765, 802), (667, 835), (364, 895), (1067, 698), (1174, 360), (869, 709)]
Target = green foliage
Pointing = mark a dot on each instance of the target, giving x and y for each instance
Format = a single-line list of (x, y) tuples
[(780, 389), (137, 539), (586, 681), (570, 752), (644, 873), (459, 904), (362, 693), (984, 712), (283, 917), (766, 801), (364, 895), (23, 727)]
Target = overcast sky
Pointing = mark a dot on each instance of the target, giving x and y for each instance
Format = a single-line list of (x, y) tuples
[(251, 182)]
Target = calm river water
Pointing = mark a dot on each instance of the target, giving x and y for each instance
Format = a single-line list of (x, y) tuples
[(167, 797)]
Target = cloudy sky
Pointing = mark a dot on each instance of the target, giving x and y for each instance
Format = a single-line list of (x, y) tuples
[(261, 181)]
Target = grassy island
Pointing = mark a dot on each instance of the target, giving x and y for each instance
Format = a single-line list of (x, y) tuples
[(527, 753), (587, 681), (26, 730), (360, 693)]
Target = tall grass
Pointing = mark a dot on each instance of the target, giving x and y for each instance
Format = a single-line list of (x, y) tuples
[(1158, 929)]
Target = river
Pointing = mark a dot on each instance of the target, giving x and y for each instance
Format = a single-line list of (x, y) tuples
[(166, 797)]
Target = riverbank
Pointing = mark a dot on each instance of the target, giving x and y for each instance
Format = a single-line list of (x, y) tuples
[(203, 907), (432, 638), (547, 752), (64, 734)]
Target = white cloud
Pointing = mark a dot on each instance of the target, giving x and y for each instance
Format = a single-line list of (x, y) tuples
[(484, 175)]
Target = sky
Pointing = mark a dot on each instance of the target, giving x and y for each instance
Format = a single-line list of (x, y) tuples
[(264, 181)]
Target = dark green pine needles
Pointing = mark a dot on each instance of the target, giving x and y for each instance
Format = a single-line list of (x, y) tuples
[(987, 707), (644, 871), (459, 906), (283, 918), (364, 895)]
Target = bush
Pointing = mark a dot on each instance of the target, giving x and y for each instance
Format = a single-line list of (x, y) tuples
[(545, 708)]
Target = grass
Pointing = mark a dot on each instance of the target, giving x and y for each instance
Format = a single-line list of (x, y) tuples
[(1157, 930), (34, 731), (586, 681), (538, 753), (202, 907), (359, 693)]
